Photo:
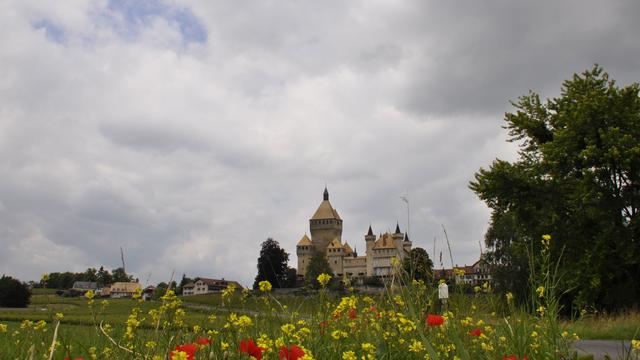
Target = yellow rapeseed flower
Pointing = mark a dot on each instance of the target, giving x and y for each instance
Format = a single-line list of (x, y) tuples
[(90, 294), (416, 346), (546, 240), (349, 355), (59, 316), (223, 345), (3, 328), (540, 291), (323, 279), (287, 329), (339, 334), (509, 296), (635, 344), (265, 286), (369, 348), (179, 355)]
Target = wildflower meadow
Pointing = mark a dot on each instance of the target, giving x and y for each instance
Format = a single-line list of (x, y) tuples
[(406, 321)]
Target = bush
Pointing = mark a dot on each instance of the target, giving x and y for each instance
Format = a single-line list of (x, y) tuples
[(13, 293)]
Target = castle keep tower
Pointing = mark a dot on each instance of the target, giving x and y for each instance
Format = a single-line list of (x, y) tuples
[(325, 225)]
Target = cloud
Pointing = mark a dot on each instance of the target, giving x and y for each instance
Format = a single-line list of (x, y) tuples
[(188, 132)]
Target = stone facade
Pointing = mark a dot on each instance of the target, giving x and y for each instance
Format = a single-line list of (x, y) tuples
[(326, 236)]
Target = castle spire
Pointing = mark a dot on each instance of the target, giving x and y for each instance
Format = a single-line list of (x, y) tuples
[(370, 233), (398, 228), (325, 195)]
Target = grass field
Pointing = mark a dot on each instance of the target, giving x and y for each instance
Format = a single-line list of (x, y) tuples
[(212, 316)]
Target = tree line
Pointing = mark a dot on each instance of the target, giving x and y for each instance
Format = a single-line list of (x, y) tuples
[(101, 276)]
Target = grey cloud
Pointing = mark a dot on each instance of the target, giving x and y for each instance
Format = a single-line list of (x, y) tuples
[(190, 157)]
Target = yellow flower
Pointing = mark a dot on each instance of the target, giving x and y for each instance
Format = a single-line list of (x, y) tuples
[(509, 296), (477, 289), (540, 291), (287, 329), (369, 348), (265, 286), (59, 316), (534, 334), (45, 277), (179, 355), (339, 334), (223, 345), (546, 240), (93, 352), (151, 344), (635, 344), (541, 309), (3, 328), (89, 294), (416, 346), (323, 279), (349, 355)]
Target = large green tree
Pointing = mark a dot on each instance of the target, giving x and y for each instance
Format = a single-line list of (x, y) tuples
[(272, 264), (418, 265), (577, 178), (13, 293)]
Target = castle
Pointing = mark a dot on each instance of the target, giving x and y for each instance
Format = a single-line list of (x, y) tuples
[(326, 237)]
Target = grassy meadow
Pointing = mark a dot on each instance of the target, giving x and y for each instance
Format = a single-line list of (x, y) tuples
[(405, 321)]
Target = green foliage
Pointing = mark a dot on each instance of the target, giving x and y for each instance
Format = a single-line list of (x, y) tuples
[(578, 178), (65, 280), (418, 265), (317, 265), (272, 264), (13, 293)]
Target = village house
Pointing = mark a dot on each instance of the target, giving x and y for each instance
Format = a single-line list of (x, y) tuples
[(124, 289), (475, 274), (207, 286)]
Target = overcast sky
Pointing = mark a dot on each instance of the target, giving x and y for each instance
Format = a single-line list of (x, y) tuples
[(189, 131)]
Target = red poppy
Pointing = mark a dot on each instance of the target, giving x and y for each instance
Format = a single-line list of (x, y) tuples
[(203, 341), (513, 357), (249, 347), (294, 352), (189, 349), (475, 332), (352, 313), (78, 358), (373, 308), (435, 320)]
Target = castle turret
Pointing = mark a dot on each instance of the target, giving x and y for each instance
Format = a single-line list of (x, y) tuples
[(370, 239), (304, 251), (398, 238), (325, 224), (407, 244)]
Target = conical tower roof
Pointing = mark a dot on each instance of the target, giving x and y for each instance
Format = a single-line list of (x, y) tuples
[(305, 241), (325, 210)]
